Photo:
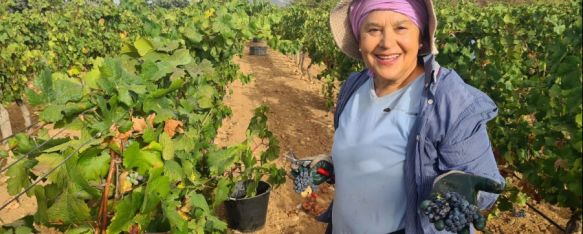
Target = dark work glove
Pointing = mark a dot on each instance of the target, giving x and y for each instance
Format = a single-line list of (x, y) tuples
[(321, 169), (310, 172), (465, 184), (453, 203)]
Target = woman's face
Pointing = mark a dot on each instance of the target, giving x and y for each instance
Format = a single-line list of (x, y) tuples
[(389, 44)]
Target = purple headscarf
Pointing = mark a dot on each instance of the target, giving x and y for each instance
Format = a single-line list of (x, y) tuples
[(414, 9)]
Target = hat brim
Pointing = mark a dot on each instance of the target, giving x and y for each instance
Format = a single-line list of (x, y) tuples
[(342, 30)]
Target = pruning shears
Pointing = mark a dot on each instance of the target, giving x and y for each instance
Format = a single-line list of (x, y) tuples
[(297, 163)]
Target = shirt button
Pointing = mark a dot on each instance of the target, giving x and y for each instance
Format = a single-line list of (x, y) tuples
[(417, 137), (430, 101), (426, 85)]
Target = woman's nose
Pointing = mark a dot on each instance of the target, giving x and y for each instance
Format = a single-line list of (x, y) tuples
[(387, 40)]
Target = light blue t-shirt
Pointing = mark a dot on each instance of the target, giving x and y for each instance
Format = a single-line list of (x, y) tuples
[(368, 156)]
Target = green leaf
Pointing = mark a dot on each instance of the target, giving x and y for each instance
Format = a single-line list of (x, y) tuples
[(125, 211), (198, 201), (205, 96), (219, 160), (52, 113), (173, 170), (143, 46), (180, 57), (124, 96), (47, 162), (41, 215), (142, 160), (221, 192), (157, 188), (192, 35), (149, 69), (94, 167), (215, 225), (67, 89), (171, 211), (80, 230), (68, 209), (167, 145), (578, 120), (19, 178)]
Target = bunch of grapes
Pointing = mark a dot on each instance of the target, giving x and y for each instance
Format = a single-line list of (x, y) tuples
[(134, 177), (453, 213), (303, 180)]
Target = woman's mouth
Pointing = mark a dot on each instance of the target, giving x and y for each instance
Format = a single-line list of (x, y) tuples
[(387, 59)]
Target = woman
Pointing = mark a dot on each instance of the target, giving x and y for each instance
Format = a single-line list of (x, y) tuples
[(403, 124)]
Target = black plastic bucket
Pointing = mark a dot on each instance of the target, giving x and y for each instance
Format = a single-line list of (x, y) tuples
[(249, 214), (258, 50)]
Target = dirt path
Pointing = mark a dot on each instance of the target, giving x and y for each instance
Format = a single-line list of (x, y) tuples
[(300, 121)]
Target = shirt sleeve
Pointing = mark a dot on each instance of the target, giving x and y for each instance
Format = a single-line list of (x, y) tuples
[(466, 146)]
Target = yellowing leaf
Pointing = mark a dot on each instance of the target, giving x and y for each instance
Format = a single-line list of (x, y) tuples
[(167, 146), (144, 46), (172, 126), (139, 125)]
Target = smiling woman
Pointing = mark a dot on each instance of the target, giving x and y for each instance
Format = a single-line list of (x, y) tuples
[(389, 45), (403, 125)]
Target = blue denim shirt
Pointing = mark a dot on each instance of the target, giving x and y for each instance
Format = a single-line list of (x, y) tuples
[(449, 134)]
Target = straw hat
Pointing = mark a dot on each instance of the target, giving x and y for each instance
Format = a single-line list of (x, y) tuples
[(342, 30)]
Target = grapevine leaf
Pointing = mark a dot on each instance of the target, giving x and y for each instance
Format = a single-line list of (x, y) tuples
[(93, 166), (180, 57), (221, 192), (68, 209), (79, 230), (23, 230), (125, 211), (157, 188), (52, 113), (195, 70), (171, 208), (142, 160), (205, 96), (215, 224), (167, 145), (90, 79), (18, 174), (149, 69), (198, 201), (45, 83), (192, 35), (125, 96), (219, 160), (47, 162), (41, 215), (68, 89), (143, 46), (173, 170)]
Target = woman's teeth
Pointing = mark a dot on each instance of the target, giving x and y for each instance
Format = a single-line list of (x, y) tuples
[(387, 57)]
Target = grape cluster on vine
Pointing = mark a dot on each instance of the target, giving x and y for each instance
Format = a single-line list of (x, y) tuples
[(303, 180), (453, 213), (134, 177)]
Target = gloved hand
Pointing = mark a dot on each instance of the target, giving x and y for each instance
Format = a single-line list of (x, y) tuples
[(321, 169), (453, 203), (465, 184), (318, 167)]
